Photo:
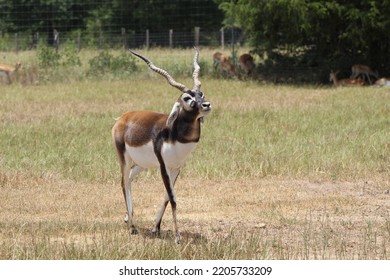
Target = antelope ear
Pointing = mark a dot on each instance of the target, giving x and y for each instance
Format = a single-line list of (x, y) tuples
[(173, 115)]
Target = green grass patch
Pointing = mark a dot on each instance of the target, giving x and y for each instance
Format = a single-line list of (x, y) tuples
[(269, 131)]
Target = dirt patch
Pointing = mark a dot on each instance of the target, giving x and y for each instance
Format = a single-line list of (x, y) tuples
[(286, 219)]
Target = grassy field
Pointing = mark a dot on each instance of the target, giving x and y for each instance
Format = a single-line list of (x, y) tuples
[(281, 172)]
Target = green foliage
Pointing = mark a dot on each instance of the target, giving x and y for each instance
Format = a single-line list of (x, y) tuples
[(48, 57), (4, 46), (112, 15), (105, 63), (69, 55), (332, 33)]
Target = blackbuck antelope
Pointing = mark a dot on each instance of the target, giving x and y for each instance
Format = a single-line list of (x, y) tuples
[(8, 71), (247, 63), (344, 82), (223, 65), (145, 139), (364, 71)]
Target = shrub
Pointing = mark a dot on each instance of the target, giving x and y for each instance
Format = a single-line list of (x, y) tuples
[(48, 57), (69, 55), (105, 63)]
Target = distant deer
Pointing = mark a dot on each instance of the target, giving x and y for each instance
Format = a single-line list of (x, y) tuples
[(344, 82), (365, 71), (8, 71), (247, 63), (223, 65)]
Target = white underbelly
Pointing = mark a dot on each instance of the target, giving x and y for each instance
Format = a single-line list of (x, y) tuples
[(143, 155), (174, 155), (3, 74)]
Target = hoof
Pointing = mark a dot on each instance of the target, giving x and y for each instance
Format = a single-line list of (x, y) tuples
[(133, 231), (126, 219), (178, 238), (155, 233)]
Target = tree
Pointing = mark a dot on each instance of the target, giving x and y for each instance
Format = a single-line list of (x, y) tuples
[(316, 33), (43, 16), (94, 16)]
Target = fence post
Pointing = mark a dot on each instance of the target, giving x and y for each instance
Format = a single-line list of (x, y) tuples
[(171, 38), (197, 31), (233, 51), (16, 43), (147, 39), (100, 40), (36, 40), (124, 39), (79, 41), (56, 39), (223, 38)]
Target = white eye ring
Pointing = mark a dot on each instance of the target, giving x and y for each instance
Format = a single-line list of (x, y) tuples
[(188, 98)]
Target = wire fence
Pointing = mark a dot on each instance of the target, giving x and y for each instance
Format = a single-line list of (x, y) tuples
[(104, 24), (224, 37)]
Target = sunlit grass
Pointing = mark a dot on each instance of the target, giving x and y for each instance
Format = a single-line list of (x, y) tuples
[(280, 172), (283, 131)]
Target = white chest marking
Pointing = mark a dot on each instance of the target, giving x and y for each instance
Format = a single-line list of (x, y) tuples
[(174, 155)]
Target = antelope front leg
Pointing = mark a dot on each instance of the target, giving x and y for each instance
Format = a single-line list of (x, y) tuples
[(157, 225), (169, 178)]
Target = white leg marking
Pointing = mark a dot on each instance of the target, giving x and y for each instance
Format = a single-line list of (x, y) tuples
[(125, 178), (128, 175)]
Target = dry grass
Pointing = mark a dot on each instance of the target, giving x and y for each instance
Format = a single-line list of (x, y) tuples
[(301, 173), (51, 218)]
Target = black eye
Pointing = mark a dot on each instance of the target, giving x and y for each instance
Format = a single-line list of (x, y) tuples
[(186, 99)]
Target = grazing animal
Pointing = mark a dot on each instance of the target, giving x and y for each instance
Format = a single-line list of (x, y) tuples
[(364, 71), (247, 63), (145, 139), (344, 82), (223, 65), (8, 71)]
